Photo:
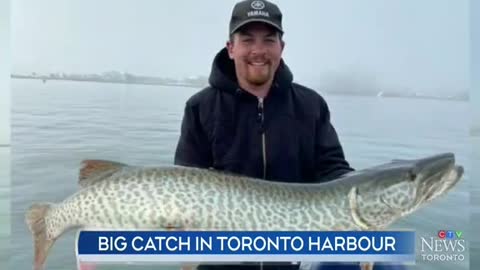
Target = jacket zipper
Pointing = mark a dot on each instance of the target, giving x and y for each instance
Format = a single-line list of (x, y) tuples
[(261, 119), (262, 130)]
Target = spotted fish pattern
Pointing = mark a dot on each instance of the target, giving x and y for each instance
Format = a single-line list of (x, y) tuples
[(118, 196)]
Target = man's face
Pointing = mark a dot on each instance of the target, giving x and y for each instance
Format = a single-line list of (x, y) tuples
[(256, 50)]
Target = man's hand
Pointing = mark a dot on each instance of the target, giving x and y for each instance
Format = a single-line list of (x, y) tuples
[(366, 266)]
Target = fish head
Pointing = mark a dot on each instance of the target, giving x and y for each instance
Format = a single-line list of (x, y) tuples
[(399, 188)]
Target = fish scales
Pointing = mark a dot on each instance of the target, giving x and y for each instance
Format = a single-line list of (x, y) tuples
[(179, 198), (116, 196)]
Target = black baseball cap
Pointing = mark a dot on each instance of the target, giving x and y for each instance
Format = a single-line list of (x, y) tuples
[(255, 11)]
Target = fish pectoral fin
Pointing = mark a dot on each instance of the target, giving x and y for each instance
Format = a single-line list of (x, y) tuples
[(93, 171)]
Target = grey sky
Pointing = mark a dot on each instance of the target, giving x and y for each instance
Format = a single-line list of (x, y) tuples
[(401, 43), (4, 73)]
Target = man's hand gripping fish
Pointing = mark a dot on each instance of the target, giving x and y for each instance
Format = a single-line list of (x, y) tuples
[(118, 196)]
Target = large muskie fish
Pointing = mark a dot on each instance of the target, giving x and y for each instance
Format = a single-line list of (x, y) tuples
[(118, 196)]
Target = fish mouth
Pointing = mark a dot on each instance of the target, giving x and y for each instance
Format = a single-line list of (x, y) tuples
[(436, 175), (448, 181)]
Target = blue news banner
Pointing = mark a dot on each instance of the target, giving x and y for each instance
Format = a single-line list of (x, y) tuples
[(242, 246)]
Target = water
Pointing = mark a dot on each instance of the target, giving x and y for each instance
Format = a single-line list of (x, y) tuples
[(475, 202), (4, 201), (58, 124)]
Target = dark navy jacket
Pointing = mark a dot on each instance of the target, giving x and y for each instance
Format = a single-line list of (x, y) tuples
[(287, 137)]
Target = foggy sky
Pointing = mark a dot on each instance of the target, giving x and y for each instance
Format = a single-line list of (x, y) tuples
[(4, 73), (403, 43)]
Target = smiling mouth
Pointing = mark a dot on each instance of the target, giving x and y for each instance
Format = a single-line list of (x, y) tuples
[(258, 64)]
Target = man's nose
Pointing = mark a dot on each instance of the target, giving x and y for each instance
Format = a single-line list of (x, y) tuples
[(258, 48)]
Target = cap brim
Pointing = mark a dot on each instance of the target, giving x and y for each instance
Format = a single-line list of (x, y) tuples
[(256, 20)]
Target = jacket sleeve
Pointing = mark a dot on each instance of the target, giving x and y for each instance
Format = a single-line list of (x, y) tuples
[(193, 148), (329, 155)]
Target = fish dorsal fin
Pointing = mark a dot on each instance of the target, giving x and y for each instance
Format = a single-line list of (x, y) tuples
[(93, 171)]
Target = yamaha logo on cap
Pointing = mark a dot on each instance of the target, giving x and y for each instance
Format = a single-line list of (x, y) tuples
[(258, 5), (247, 11)]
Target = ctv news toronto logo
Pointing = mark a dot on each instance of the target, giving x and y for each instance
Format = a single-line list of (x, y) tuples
[(447, 245)]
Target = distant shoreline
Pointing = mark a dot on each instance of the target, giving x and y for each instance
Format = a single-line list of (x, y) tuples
[(394, 95), (46, 79), (475, 131), (199, 86)]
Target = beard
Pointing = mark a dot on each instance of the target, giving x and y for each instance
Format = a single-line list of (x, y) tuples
[(258, 75)]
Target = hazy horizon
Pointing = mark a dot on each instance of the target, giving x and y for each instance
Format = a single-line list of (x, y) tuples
[(400, 44)]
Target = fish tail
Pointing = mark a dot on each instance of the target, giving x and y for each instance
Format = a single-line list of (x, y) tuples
[(35, 219)]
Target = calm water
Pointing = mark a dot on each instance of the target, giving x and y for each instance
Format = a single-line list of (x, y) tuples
[(475, 203), (58, 124), (4, 202)]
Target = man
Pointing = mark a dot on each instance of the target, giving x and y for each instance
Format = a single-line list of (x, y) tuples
[(252, 119)]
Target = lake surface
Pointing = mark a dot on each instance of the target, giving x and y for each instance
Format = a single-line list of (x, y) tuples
[(58, 124), (475, 203), (4, 202)]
